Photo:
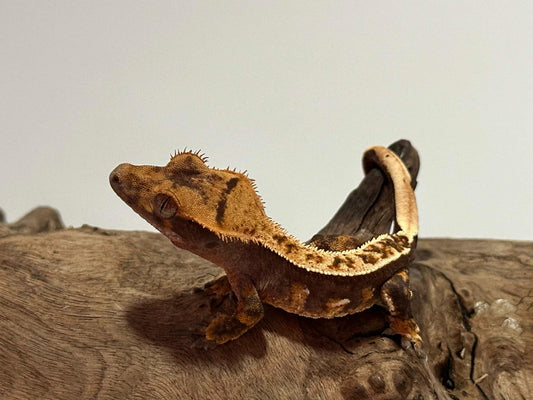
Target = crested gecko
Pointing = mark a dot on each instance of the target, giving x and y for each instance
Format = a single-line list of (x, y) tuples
[(218, 215)]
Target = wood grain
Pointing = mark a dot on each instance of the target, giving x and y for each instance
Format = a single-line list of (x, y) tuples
[(100, 314)]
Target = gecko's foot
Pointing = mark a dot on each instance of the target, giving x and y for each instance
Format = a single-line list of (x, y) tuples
[(406, 327), (416, 345), (215, 292), (409, 331), (224, 328)]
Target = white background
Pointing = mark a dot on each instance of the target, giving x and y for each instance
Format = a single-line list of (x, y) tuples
[(292, 91)]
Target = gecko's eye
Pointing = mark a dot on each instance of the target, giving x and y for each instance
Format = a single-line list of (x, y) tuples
[(165, 206)]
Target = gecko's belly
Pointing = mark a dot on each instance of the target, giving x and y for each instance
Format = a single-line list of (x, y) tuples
[(302, 301)]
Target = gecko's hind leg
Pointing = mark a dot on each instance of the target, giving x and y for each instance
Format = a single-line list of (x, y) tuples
[(396, 295), (249, 311)]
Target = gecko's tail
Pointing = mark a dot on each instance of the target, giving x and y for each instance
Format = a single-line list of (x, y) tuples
[(404, 196)]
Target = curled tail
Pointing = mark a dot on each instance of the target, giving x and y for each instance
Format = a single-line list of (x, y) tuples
[(404, 196), (391, 251)]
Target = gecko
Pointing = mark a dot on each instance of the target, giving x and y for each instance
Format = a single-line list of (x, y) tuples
[(218, 215)]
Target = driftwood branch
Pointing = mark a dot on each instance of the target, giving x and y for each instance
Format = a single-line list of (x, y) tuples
[(89, 313), (369, 209)]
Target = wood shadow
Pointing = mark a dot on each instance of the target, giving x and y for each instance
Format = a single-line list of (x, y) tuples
[(178, 323)]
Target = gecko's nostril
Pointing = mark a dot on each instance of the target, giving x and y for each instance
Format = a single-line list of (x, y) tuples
[(115, 176), (114, 179), (120, 178)]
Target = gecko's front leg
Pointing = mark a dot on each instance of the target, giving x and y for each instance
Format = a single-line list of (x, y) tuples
[(249, 312), (219, 287)]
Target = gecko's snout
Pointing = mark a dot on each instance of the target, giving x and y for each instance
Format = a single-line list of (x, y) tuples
[(116, 177)]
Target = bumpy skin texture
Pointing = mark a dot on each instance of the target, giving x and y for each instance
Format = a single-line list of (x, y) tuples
[(218, 215)]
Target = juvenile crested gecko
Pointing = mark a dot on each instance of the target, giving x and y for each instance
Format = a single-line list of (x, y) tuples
[(217, 214)]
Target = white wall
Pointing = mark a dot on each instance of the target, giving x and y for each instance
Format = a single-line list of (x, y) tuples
[(292, 91)]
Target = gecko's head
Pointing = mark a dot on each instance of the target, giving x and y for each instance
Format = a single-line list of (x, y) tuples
[(186, 189)]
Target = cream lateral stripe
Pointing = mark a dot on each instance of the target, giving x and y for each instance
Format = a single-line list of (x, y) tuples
[(349, 263)]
